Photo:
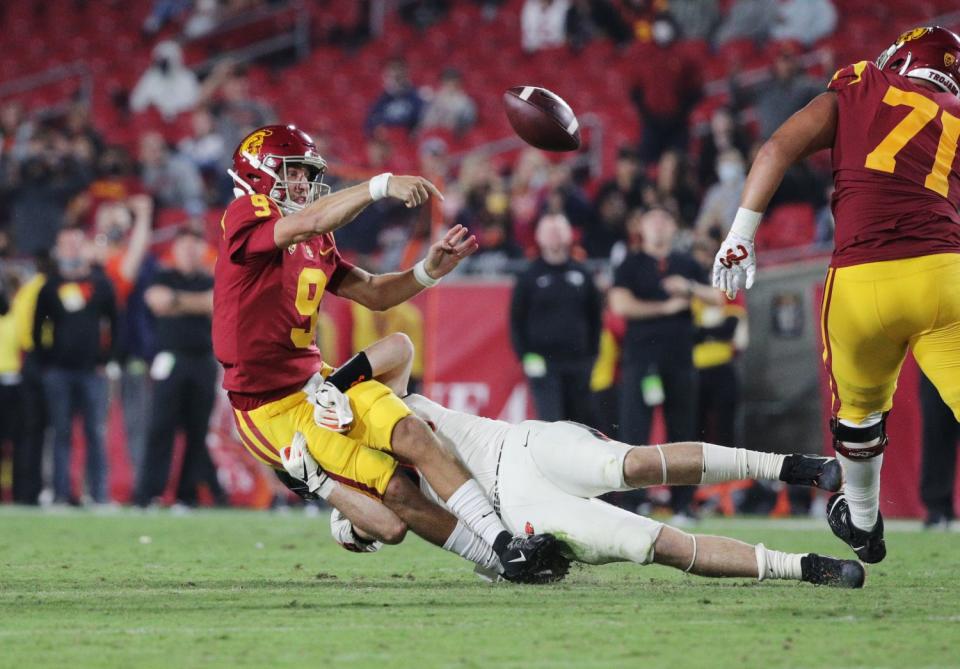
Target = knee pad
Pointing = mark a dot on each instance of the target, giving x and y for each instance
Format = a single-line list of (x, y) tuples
[(860, 442)]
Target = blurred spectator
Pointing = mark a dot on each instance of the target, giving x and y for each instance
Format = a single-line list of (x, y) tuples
[(938, 476), (399, 105), (11, 364), (698, 19), (79, 129), (724, 134), (172, 179), (721, 332), (15, 132), (40, 188), (237, 109), (777, 99), (168, 85), (566, 196), (422, 13), (590, 19), (805, 21), (666, 86), (675, 187), (543, 24), (722, 200), (653, 289), (184, 373), (163, 12), (205, 17), (123, 230), (748, 19), (207, 149), (74, 329), (529, 179), (555, 325), (615, 199), (450, 107)]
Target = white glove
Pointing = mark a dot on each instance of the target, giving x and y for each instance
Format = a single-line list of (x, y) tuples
[(331, 408), (300, 465), (735, 264), (342, 530)]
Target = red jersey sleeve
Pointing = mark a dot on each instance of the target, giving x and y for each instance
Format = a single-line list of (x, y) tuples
[(247, 227), (847, 76)]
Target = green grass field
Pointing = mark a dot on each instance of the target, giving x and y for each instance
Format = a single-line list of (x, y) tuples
[(245, 589)]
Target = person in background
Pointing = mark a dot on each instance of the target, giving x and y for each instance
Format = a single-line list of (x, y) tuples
[(722, 199), (184, 372), (172, 179), (724, 135), (652, 290), (400, 105), (543, 24), (121, 244), (555, 325), (938, 474), (28, 461), (11, 406), (450, 107), (167, 85), (615, 199), (721, 333), (74, 331), (805, 21)]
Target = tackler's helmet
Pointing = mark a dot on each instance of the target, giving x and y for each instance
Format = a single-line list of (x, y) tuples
[(261, 161), (928, 53)]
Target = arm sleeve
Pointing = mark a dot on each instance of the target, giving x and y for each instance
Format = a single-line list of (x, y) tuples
[(248, 228)]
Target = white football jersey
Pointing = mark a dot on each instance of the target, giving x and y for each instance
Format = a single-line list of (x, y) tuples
[(475, 440)]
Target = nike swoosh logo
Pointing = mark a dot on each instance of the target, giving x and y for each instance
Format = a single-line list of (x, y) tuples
[(522, 558)]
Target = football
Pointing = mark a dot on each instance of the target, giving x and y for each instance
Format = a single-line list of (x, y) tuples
[(542, 118)]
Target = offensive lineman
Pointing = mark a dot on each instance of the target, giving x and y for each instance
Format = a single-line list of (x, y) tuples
[(894, 281), (545, 476), (277, 258)]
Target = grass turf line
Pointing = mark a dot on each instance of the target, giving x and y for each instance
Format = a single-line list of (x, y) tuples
[(247, 589)]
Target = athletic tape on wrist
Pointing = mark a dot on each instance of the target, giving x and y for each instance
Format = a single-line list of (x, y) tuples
[(663, 464), (424, 279), (693, 560), (326, 488), (745, 223), (378, 186)]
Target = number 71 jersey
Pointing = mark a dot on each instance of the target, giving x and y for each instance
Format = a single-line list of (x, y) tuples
[(895, 167), (265, 302)]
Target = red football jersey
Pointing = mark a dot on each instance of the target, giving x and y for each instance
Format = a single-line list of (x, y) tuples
[(265, 303), (895, 167)]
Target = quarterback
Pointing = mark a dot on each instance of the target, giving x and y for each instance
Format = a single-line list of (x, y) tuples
[(277, 258), (545, 477), (894, 282)]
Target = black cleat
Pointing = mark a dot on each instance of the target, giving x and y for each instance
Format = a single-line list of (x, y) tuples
[(822, 570), (533, 559), (812, 470), (868, 545)]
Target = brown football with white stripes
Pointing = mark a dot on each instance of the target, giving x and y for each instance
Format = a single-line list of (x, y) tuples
[(542, 118)]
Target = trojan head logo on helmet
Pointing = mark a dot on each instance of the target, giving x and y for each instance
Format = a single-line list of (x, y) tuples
[(928, 53), (281, 162)]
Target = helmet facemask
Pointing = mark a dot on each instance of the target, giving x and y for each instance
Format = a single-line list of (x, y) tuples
[(286, 191)]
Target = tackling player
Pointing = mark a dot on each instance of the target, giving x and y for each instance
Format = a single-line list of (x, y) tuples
[(277, 258), (894, 281), (545, 477)]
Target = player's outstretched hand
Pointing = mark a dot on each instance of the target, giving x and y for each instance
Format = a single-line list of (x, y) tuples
[(735, 265), (444, 255), (413, 191)]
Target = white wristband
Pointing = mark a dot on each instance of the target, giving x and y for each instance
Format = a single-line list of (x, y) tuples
[(745, 223), (378, 186), (424, 279), (326, 488)]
